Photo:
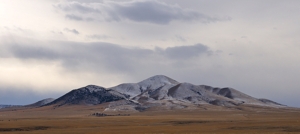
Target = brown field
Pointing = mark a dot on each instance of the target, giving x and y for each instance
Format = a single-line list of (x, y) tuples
[(77, 120)]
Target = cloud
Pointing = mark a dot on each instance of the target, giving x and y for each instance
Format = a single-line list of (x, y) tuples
[(29, 52), (100, 55), (137, 10), (74, 31), (78, 7), (17, 30), (97, 36), (186, 52), (180, 38), (73, 17)]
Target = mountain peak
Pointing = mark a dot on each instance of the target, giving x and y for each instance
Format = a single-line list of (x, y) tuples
[(91, 88), (159, 79), (156, 81)]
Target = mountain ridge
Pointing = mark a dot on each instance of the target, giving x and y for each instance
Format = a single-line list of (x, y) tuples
[(158, 91)]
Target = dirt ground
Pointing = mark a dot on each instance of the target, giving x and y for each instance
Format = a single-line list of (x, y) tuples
[(77, 120)]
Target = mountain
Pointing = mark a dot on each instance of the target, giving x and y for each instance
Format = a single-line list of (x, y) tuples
[(158, 92)]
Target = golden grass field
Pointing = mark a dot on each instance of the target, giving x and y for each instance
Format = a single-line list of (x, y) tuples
[(77, 120)]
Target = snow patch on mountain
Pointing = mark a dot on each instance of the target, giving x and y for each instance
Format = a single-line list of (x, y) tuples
[(156, 82)]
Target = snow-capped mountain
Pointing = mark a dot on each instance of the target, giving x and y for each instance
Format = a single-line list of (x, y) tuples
[(159, 91)]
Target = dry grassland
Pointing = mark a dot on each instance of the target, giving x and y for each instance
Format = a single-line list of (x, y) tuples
[(77, 120)]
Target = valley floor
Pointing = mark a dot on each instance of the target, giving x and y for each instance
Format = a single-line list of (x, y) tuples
[(75, 120)]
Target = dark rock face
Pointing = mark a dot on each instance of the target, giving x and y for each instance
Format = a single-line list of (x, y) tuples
[(90, 95)]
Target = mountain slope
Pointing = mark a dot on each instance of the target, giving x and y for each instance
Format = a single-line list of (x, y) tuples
[(239, 96), (41, 102), (89, 95)]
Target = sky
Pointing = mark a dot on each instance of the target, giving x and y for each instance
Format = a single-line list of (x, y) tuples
[(50, 47)]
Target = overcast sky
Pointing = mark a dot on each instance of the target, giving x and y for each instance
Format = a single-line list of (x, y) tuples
[(49, 47)]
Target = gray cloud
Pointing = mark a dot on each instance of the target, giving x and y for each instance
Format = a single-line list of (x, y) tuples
[(138, 10), (154, 12), (185, 52), (73, 17), (180, 38), (74, 31), (104, 55), (78, 7), (29, 52)]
